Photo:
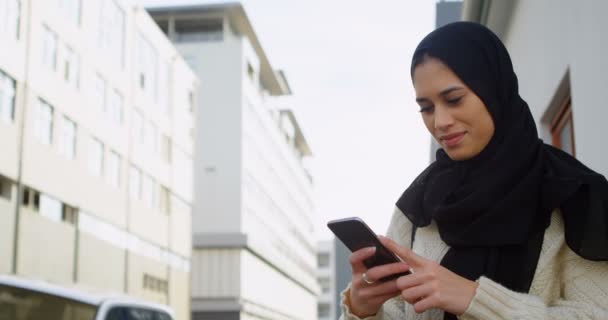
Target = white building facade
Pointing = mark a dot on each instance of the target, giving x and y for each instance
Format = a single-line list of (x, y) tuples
[(254, 252), (326, 275), (558, 50), (96, 129)]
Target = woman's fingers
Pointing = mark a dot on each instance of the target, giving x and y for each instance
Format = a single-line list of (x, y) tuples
[(379, 289), (405, 254), (414, 279), (382, 271), (357, 257), (417, 293)]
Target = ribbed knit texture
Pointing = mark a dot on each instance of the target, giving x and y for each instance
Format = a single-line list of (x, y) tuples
[(565, 286)]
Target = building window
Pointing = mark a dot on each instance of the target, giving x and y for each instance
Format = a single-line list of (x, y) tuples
[(137, 128), (323, 310), (324, 282), (69, 214), (71, 67), (114, 169), (95, 157), (99, 93), (323, 260), (49, 49), (165, 200), (67, 145), (199, 30), (166, 147), (71, 10), (7, 98), (50, 208), (9, 18), (147, 58), (111, 30), (163, 92), (116, 107), (155, 284), (148, 191), (191, 101), (31, 199), (44, 122), (6, 188), (562, 128), (151, 137), (135, 182)]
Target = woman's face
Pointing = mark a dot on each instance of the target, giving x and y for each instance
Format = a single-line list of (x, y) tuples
[(453, 113)]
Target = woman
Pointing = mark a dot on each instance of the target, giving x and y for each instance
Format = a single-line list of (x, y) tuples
[(503, 226)]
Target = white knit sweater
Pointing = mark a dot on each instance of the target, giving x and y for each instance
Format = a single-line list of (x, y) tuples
[(565, 286)]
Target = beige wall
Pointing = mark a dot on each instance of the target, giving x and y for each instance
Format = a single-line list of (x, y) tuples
[(138, 266), (100, 264), (148, 223), (46, 248), (10, 147), (7, 224), (179, 291), (181, 232)]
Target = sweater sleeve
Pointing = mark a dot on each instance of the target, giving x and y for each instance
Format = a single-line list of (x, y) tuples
[(399, 230), (582, 293)]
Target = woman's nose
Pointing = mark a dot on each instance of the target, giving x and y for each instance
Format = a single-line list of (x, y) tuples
[(443, 118)]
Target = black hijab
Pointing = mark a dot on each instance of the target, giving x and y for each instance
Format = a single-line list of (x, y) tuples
[(493, 209)]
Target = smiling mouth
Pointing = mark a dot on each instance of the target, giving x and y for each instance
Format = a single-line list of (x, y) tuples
[(452, 140)]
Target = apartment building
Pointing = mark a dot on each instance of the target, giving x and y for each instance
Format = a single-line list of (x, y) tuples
[(254, 251), (326, 275), (96, 128)]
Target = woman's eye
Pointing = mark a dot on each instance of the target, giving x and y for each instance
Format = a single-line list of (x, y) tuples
[(454, 101), (426, 109)]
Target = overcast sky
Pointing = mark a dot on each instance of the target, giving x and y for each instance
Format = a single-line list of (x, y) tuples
[(347, 62)]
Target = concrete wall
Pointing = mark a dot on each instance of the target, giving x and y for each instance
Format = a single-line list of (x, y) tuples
[(216, 273), (280, 297), (46, 248), (100, 264), (7, 228), (218, 150), (179, 292), (549, 40)]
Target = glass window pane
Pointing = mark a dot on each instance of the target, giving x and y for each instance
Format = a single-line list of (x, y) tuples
[(7, 98), (44, 123), (565, 137), (21, 304), (114, 169), (96, 157), (68, 139), (50, 207)]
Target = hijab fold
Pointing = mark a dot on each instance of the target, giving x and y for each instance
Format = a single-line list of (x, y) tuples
[(492, 210)]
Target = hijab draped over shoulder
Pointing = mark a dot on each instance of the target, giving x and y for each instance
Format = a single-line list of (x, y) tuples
[(492, 210)]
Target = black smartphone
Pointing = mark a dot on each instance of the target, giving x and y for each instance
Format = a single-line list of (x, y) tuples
[(355, 234)]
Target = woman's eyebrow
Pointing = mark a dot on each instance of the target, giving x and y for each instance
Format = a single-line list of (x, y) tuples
[(442, 93), (450, 89)]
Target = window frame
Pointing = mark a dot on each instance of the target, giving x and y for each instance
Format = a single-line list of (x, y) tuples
[(563, 120), (7, 85)]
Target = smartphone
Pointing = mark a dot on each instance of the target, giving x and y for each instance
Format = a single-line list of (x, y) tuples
[(355, 234)]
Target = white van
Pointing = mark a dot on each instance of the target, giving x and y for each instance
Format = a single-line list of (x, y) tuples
[(25, 299)]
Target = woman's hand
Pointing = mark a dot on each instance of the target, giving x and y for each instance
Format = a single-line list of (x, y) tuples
[(431, 285), (367, 298)]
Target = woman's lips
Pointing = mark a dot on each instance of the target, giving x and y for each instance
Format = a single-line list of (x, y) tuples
[(452, 140)]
